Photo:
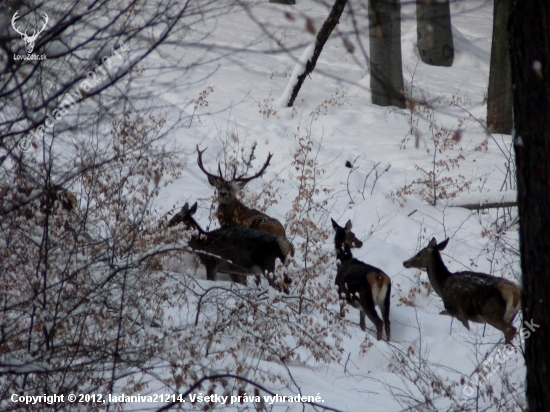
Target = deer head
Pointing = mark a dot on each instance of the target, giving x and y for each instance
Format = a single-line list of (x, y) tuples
[(227, 189), (29, 40), (185, 216), (422, 258), (344, 236)]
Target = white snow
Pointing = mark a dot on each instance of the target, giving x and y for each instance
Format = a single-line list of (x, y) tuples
[(334, 109)]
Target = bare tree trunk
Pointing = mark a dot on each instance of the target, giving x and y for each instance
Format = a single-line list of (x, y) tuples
[(434, 32), (530, 57), (322, 37), (386, 80), (499, 98)]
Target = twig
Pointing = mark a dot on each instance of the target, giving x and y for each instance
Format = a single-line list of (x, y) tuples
[(367, 177), (378, 176)]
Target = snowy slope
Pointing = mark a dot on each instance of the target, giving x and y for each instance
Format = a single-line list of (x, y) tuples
[(347, 127)]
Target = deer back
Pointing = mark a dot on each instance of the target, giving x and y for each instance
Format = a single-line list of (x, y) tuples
[(479, 296), (235, 249), (252, 250)]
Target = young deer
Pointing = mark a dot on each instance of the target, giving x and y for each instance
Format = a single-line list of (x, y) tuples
[(234, 250), (470, 296), (364, 286), (231, 212)]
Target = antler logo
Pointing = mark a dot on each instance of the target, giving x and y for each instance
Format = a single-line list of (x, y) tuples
[(29, 40)]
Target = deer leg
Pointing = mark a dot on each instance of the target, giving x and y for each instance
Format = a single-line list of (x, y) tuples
[(459, 316), (506, 328), (241, 279), (387, 323), (287, 284), (374, 318), (362, 323), (212, 271), (464, 322)]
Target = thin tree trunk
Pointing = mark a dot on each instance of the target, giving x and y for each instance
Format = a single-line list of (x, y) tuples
[(386, 80), (499, 97), (434, 32), (322, 37), (530, 58)]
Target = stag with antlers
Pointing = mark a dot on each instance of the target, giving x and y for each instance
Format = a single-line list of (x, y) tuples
[(29, 40), (231, 212)]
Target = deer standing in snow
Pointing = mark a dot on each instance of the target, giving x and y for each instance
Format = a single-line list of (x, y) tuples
[(234, 250), (232, 212), (364, 286), (470, 296)]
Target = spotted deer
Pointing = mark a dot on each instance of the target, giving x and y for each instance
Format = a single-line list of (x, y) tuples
[(363, 286), (470, 296), (237, 251)]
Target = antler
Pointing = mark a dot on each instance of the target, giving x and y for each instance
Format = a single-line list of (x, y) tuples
[(199, 161), (13, 19), (261, 172), (235, 179), (34, 33)]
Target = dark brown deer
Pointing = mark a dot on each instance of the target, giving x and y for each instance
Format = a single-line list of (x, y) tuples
[(364, 286), (470, 296), (234, 250), (231, 212)]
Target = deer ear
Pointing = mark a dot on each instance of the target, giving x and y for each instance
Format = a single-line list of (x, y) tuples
[(433, 243), (238, 185), (193, 209), (348, 225), (334, 224), (213, 181), (443, 244)]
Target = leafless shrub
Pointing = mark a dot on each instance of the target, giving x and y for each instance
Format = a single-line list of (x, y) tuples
[(86, 291), (443, 144)]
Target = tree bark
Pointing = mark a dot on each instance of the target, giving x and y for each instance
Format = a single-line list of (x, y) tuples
[(322, 37), (434, 32), (386, 80), (499, 97), (530, 58)]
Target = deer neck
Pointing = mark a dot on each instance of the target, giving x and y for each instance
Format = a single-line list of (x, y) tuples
[(437, 272), (235, 214), (343, 254)]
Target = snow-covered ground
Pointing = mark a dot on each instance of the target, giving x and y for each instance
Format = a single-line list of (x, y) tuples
[(334, 110)]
